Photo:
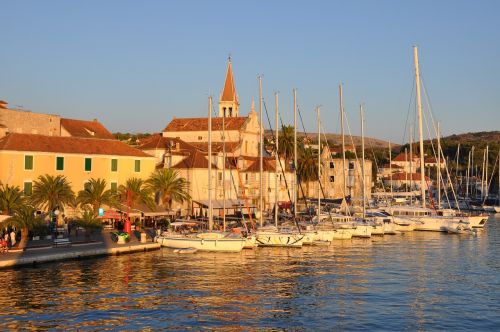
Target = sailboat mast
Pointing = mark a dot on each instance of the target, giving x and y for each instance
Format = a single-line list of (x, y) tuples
[(363, 159), (472, 170), (420, 128), (276, 153), (319, 162), (406, 163), (261, 155), (224, 171), (456, 171), (210, 215), (295, 191), (482, 175), (467, 177), (343, 139), (486, 184), (390, 165), (438, 177), (411, 164)]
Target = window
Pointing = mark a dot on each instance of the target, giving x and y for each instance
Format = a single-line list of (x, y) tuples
[(28, 162), (200, 138), (246, 178), (137, 165), (59, 163), (332, 165), (88, 164), (332, 178), (114, 187), (114, 165), (28, 188), (351, 165)]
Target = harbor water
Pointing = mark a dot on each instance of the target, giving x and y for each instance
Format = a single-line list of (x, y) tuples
[(412, 281)]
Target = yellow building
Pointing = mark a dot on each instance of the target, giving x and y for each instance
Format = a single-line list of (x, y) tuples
[(24, 157)]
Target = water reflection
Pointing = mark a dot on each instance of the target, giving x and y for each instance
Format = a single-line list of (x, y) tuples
[(412, 281)]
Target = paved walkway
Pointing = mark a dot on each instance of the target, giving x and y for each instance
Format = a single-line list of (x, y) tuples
[(101, 244)]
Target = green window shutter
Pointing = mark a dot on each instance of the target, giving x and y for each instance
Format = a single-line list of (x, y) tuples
[(114, 165), (88, 164), (60, 163), (137, 165), (114, 187), (28, 186), (28, 162)]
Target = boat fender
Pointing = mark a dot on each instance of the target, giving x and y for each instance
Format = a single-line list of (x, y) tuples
[(202, 241)]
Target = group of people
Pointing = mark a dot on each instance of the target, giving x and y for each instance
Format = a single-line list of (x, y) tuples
[(9, 240)]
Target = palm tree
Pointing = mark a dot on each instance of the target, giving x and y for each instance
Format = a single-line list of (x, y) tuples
[(134, 192), (10, 198), (169, 185), (24, 218), (89, 222), (286, 143), (308, 167), (95, 194), (51, 192)]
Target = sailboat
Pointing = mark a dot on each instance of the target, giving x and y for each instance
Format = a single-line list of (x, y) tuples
[(204, 241), (427, 219), (272, 235)]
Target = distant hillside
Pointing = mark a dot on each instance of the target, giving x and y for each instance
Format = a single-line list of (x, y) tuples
[(336, 139)]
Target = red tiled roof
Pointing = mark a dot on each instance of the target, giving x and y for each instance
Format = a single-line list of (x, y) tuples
[(82, 128), (216, 146), (431, 160), (266, 167), (201, 124), (401, 157), (403, 176), (195, 160), (157, 141), (59, 144), (229, 92), (393, 166)]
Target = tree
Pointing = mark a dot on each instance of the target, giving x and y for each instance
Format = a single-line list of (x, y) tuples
[(95, 195), (10, 198), (23, 218), (51, 192), (134, 192), (308, 167), (89, 222), (169, 185), (285, 142)]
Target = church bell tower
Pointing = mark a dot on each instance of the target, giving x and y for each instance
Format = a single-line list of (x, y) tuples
[(228, 103)]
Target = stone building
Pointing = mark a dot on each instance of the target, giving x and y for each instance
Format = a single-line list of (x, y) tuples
[(183, 145)]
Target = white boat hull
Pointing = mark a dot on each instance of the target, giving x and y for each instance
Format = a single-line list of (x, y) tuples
[(201, 244), (364, 231), (277, 239), (389, 228), (435, 223), (476, 221)]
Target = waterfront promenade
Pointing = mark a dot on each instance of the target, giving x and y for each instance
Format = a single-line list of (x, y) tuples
[(101, 244)]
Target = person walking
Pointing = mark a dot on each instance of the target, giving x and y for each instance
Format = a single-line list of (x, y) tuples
[(12, 238), (7, 238)]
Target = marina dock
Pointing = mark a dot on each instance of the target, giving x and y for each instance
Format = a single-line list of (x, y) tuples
[(45, 252)]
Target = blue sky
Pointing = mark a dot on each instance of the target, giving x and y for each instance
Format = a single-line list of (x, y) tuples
[(136, 64)]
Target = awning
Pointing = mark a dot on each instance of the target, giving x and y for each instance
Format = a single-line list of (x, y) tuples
[(219, 204), (110, 214)]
